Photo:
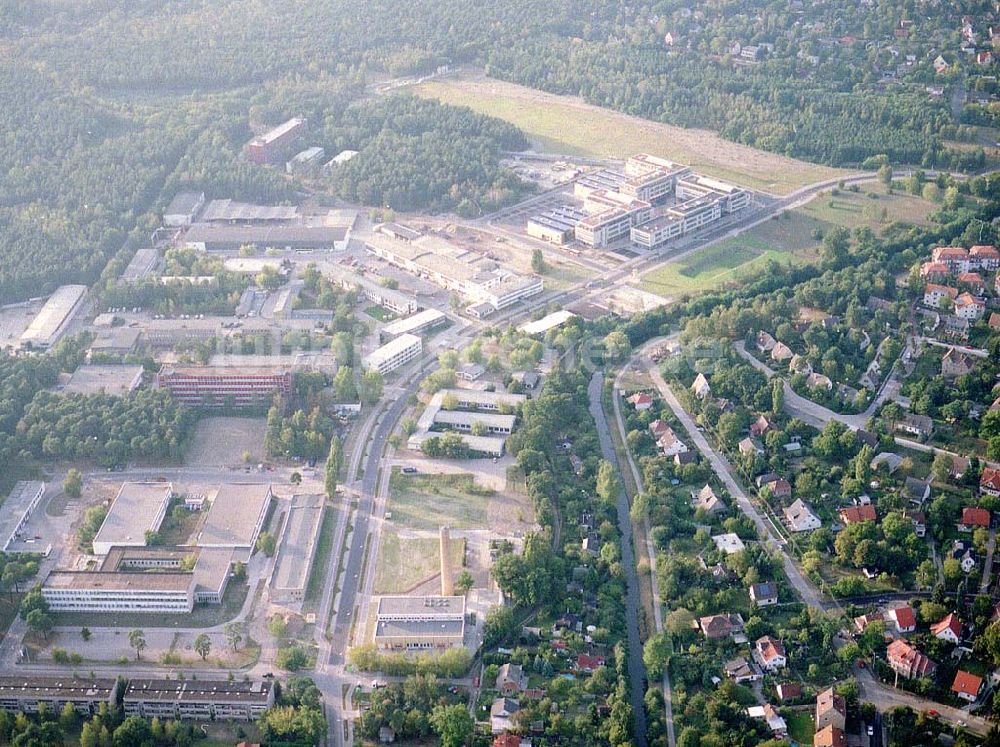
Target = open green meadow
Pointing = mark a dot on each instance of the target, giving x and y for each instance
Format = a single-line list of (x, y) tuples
[(428, 502), (405, 562)]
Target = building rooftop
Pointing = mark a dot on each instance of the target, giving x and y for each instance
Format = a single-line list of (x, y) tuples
[(112, 581), (551, 321), (53, 315), (223, 371), (391, 349), (235, 513), (92, 379), (184, 203), (29, 686), (280, 131), (200, 690), (298, 543), (15, 506), (414, 321), (224, 211), (138, 508), (462, 417), (420, 628), (422, 607), (269, 235)]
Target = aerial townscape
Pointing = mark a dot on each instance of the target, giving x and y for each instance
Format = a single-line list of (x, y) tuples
[(500, 374)]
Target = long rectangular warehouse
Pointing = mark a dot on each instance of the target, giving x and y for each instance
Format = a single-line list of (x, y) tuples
[(50, 323), (298, 548)]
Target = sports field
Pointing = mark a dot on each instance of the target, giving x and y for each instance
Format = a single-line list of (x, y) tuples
[(566, 124)]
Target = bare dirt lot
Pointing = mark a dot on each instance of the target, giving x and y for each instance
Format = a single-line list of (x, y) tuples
[(221, 441), (569, 125)]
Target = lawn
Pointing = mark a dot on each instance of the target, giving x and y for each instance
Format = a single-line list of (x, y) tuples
[(800, 727), (405, 562), (382, 315), (565, 124), (865, 208), (428, 502)]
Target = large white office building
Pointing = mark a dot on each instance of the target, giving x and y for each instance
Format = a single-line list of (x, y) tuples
[(395, 353), (99, 591)]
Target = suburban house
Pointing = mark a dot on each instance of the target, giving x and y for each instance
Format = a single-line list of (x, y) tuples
[(750, 446), (830, 736), (819, 381), (955, 363), (728, 542), (955, 257), (903, 617), (916, 425), (863, 621), (765, 343), (989, 482), (706, 500), (919, 521), (973, 518), (968, 306), (907, 662), (948, 629), (788, 690), (715, 627), (916, 490), (761, 426), (781, 352), (831, 710), (764, 594), (669, 445), (967, 686), (800, 517), (700, 387), (935, 294), (779, 486), (502, 715), (858, 514), (769, 653), (511, 679), (641, 401), (739, 670), (766, 712)]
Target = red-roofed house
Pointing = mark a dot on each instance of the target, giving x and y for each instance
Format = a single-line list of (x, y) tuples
[(968, 306), (955, 257), (974, 280), (906, 621), (934, 294), (948, 629), (641, 401), (989, 482), (967, 686), (994, 322), (789, 690), (973, 518), (934, 272), (907, 662), (770, 654), (761, 426), (985, 258), (858, 514), (830, 736), (506, 740), (588, 663)]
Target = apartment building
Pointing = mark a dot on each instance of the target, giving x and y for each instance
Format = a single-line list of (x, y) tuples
[(200, 699), (414, 325), (26, 693), (395, 353), (610, 216), (731, 197)]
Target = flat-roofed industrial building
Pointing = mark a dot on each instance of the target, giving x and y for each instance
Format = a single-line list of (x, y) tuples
[(183, 208), (414, 324), (26, 693), (213, 237), (395, 353), (388, 298), (54, 317), (297, 550), (556, 226), (199, 699), (100, 591), (15, 511), (222, 386), (106, 378), (420, 623), (547, 322), (138, 508), (236, 517)]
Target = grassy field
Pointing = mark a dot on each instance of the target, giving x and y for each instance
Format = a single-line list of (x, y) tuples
[(428, 502), (783, 240), (404, 562), (865, 208), (380, 314), (564, 124)]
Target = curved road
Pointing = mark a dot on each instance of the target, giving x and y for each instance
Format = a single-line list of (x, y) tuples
[(636, 667)]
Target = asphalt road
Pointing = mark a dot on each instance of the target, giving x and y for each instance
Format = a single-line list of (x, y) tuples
[(636, 667)]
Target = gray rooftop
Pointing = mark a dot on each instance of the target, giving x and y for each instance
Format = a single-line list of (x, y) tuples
[(198, 691), (420, 628), (111, 379), (184, 203), (298, 542), (235, 513), (15, 506), (420, 607), (138, 507), (68, 687)]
